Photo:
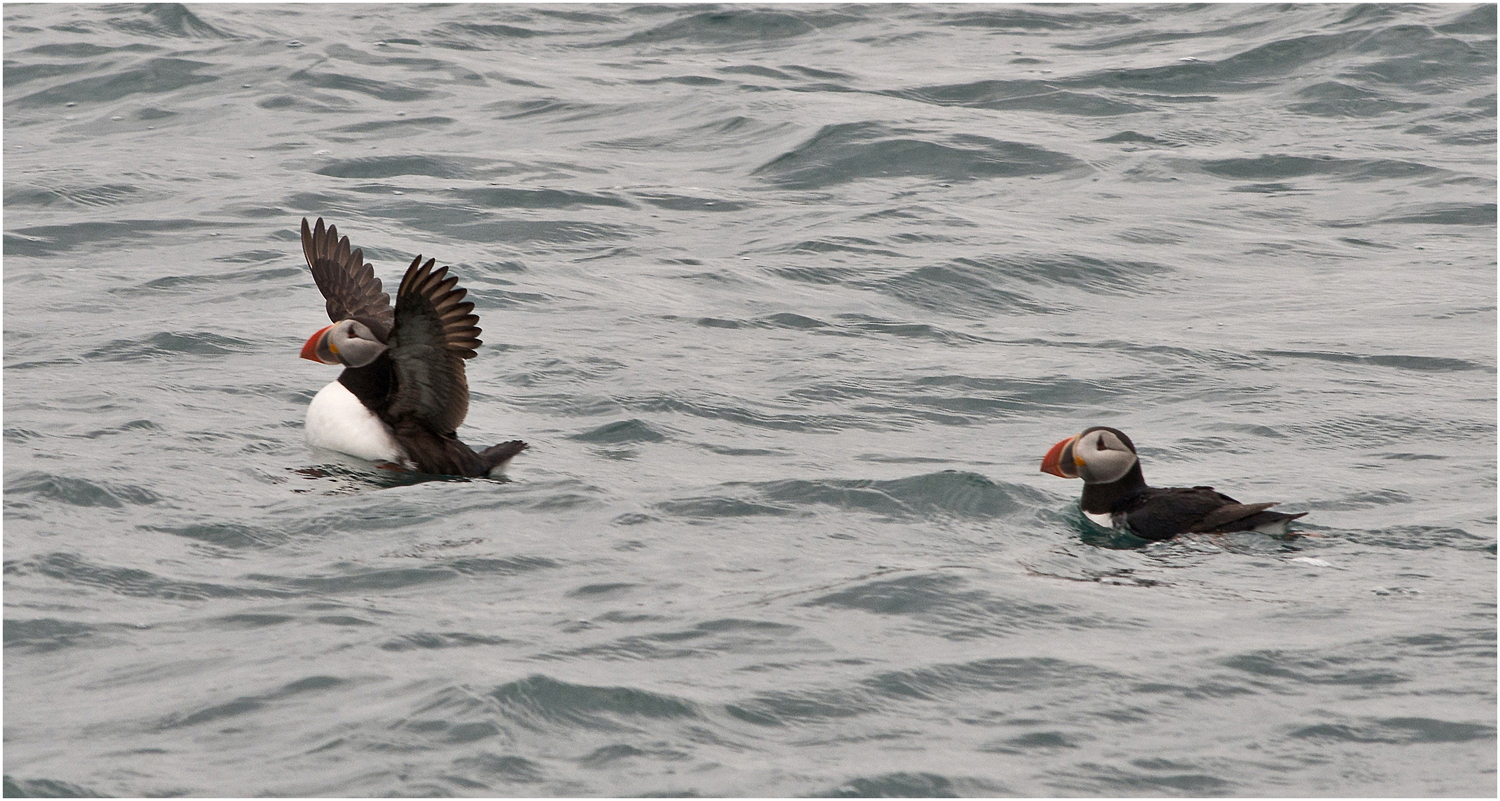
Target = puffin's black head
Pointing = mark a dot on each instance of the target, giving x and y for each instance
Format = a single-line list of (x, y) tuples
[(1099, 455)]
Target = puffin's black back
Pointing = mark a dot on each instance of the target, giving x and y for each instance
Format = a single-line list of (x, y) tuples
[(1158, 513)]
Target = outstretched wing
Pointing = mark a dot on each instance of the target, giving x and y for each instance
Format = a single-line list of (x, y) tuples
[(435, 330), (349, 284)]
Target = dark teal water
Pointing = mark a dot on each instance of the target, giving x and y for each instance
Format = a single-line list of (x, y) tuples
[(790, 302)]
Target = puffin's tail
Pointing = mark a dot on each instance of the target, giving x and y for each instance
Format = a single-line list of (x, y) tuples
[(495, 456), (1274, 523)]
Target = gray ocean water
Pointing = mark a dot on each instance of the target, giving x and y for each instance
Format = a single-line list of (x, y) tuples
[(789, 301)]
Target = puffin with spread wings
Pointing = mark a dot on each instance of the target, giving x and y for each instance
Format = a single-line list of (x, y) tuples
[(402, 394)]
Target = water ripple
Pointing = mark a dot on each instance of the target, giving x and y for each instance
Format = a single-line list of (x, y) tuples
[(861, 151), (789, 302)]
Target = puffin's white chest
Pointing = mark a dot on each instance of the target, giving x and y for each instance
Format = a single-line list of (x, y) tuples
[(1103, 519), (337, 421)]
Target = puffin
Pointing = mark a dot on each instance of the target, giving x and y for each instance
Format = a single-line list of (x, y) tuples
[(402, 393), (1115, 494)]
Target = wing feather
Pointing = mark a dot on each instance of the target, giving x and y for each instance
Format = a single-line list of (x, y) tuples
[(435, 331), (1161, 512), (346, 280), (1229, 514)]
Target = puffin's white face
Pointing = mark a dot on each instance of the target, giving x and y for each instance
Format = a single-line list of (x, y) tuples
[(1098, 456), (1102, 456), (350, 343)]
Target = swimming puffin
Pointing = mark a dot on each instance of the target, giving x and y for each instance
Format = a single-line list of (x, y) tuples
[(402, 393), (1115, 494)]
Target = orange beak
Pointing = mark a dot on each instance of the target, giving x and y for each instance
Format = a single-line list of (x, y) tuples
[(310, 350), (1055, 463)]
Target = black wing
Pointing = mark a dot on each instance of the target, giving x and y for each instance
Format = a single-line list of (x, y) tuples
[(1162, 512), (1237, 517), (349, 284), (434, 332)]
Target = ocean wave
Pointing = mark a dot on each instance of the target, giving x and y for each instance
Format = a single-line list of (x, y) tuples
[(869, 150)]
